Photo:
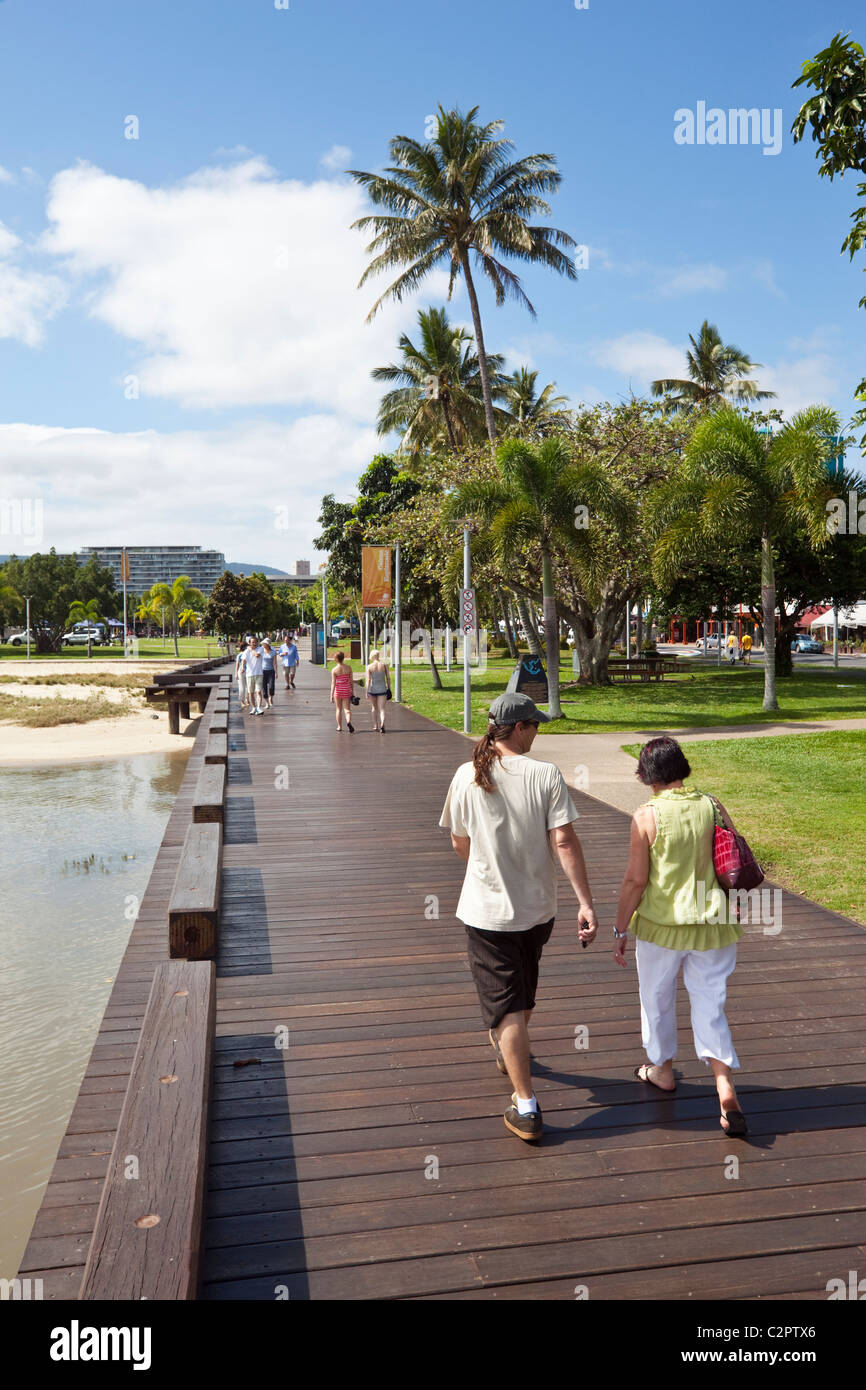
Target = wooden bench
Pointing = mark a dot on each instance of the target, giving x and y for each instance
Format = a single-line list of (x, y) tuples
[(210, 793), (148, 1232), (193, 909), (216, 749)]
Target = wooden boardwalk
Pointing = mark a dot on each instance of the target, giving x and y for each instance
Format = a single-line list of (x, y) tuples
[(368, 1158)]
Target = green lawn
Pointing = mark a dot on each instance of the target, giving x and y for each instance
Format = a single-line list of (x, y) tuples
[(799, 801), (694, 700), (192, 648)]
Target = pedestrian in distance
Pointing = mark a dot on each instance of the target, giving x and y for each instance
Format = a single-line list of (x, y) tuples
[(747, 649), (289, 657), (269, 674), (510, 816), (241, 677), (732, 649), (378, 687), (342, 690), (253, 663), (672, 901)]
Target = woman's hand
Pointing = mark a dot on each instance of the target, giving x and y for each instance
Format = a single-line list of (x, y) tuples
[(619, 950)]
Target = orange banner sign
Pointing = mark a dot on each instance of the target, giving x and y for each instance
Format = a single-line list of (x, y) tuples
[(375, 576)]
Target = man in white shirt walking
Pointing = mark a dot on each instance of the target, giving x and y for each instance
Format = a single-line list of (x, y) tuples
[(508, 814), (253, 664)]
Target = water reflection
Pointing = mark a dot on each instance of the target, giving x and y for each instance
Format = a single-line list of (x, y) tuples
[(77, 847)]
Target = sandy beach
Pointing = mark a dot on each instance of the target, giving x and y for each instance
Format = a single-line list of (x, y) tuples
[(144, 731)]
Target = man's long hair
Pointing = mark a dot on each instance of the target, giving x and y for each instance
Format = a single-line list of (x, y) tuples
[(485, 754)]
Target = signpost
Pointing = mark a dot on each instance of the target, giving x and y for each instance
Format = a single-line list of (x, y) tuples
[(467, 623), (124, 574)]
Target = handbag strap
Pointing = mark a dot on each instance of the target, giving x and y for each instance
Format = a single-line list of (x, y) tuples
[(718, 819)]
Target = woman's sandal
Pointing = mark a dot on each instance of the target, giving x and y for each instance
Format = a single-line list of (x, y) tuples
[(665, 1090), (736, 1127)]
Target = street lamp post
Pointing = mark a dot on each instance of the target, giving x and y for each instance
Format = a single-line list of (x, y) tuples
[(27, 624), (398, 671)]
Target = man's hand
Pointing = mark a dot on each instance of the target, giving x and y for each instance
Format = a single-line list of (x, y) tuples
[(587, 925), (619, 951)]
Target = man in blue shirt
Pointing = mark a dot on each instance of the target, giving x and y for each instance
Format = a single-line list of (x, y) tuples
[(288, 654)]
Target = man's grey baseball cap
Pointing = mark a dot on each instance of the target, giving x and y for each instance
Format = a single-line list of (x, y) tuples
[(512, 707)]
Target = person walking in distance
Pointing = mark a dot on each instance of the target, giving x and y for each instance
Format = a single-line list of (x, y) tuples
[(253, 663), (342, 690), (269, 674), (290, 659), (747, 649), (510, 816), (241, 675), (378, 685)]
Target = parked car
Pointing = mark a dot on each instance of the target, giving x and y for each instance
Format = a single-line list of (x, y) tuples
[(806, 644), (19, 639), (711, 644), (79, 636)]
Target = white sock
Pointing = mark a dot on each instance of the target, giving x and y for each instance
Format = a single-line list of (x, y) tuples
[(527, 1107)]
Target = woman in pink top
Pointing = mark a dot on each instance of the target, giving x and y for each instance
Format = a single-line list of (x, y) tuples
[(342, 689)]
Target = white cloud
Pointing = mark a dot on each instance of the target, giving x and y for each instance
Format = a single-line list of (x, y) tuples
[(27, 297), (691, 280), (810, 380), (240, 288), (252, 490), (5, 176), (643, 356), (336, 158)]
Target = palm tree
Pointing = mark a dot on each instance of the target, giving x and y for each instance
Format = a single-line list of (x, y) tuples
[(718, 374), (531, 503), (85, 613), (174, 599), (457, 197), (439, 384), (739, 479), (530, 408), (187, 618)]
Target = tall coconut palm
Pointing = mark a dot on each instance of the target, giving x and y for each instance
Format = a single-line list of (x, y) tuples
[(719, 373), (738, 479), (531, 503), (439, 386), (456, 199), (173, 599), (529, 407)]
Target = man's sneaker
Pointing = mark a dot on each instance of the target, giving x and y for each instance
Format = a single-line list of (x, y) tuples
[(528, 1127), (500, 1060)]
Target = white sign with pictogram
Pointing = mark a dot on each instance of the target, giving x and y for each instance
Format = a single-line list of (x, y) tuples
[(467, 610)]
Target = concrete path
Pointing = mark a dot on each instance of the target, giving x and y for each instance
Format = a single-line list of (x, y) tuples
[(596, 764)]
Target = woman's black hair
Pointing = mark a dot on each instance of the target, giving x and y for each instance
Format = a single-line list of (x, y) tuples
[(662, 760)]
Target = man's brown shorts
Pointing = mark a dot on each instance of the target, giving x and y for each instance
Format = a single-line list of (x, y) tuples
[(504, 966)]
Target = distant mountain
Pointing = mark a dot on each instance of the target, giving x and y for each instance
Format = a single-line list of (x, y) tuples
[(257, 569)]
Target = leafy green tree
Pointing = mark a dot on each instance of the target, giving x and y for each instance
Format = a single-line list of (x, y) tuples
[(227, 610), (533, 501), (718, 374), (438, 397), (836, 117), (53, 583), (737, 479), (459, 199), (11, 603)]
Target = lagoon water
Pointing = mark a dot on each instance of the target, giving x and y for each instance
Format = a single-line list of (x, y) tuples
[(76, 847)]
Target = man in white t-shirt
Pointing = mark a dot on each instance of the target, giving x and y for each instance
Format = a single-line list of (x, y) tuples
[(253, 665), (508, 815)]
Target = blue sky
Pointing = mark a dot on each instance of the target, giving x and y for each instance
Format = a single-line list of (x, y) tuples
[(183, 352)]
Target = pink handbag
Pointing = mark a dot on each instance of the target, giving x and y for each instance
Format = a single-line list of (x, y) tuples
[(733, 861)]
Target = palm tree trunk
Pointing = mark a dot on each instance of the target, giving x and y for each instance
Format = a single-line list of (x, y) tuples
[(509, 635), (551, 635), (528, 627), (768, 605), (479, 345), (448, 425), (174, 635), (434, 670)]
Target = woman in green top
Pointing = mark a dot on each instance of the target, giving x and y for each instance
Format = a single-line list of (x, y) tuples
[(672, 901)]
